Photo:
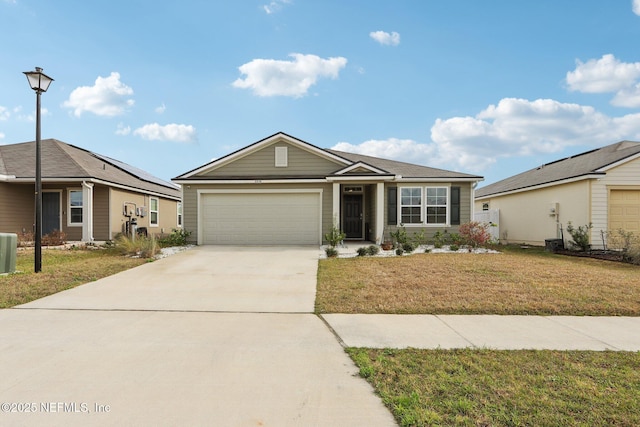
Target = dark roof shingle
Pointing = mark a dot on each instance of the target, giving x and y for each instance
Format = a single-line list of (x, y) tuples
[(64, 161), (582, 164)]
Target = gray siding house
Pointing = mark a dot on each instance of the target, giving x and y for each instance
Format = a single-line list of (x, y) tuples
[(282, 190), (86, 195)]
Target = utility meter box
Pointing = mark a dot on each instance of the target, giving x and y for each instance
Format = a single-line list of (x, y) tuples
[(8, 252)]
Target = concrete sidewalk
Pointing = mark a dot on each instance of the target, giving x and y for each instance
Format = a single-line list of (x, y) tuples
[(486, 331)]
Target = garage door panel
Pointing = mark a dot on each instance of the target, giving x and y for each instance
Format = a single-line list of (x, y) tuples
[(624, 210), (261, 218)]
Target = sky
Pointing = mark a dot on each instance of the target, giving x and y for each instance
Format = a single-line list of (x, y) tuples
[(486, 87)]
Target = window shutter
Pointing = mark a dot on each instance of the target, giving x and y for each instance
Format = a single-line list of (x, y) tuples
[(392, 205), (455, 205)]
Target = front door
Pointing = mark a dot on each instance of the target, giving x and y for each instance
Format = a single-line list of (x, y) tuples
[(352, 216), (50, 212)]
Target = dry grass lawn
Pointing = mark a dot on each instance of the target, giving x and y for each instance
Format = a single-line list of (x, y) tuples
[(61, 269), (513, 282)]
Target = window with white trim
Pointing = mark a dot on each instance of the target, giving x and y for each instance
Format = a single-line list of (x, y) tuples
[(436, 205), (179, 214), (411, 205), (75, 207), (154, 207)]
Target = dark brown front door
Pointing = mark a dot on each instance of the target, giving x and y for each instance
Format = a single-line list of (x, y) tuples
[(352, 216)]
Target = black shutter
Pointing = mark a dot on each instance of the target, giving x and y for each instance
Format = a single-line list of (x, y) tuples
[(455, 205), (392, 205)]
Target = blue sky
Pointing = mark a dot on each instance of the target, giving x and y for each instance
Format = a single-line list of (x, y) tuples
[(485, 87)]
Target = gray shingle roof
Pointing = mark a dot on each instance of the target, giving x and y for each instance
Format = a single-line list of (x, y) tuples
[(407, 170), (583, 164), (62, 161)]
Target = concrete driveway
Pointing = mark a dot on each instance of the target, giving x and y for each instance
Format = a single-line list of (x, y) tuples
[(211, 336)]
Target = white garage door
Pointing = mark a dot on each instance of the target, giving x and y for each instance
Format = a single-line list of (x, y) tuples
[(624, 210), (260, 218)]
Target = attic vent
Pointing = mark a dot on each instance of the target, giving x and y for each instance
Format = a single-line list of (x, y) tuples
[(282, 159)]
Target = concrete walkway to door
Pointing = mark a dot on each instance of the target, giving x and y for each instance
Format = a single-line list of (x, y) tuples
[(220, 336)]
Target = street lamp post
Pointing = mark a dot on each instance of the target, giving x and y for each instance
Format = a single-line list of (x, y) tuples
[(39, 82)]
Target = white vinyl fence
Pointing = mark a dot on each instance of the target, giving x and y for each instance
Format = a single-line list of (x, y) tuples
[(490, 217)]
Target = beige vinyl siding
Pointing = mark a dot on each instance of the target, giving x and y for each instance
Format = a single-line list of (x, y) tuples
[(262, 163), (167, 218), (17, 208), (525, 216)]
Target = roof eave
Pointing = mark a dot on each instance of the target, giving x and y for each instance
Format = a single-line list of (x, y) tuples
[(541, 186)]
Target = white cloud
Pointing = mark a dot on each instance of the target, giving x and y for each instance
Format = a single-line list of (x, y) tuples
[(171, 132), (636, 7), (393, 148), (123, 130), (512, 128), (161, 109), (4, 113), (107, 97), (275, 6), (2, 135), (382, 37), (271, 77), (608, 75)]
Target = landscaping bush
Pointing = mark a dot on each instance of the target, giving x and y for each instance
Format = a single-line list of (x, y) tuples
[(440, 238), (408, 247), (400, 236), (331, 252), (363, 251), (142, 246), (475, 234), (373, 250), (335, 236), (178, 237), (580, 236)]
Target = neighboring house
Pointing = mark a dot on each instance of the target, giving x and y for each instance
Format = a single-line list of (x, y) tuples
[(85, 195), (282, 190), (600, 187)]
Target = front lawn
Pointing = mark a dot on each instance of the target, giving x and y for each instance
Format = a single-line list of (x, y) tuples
[(515, 281), (505, 388), (61, 269)]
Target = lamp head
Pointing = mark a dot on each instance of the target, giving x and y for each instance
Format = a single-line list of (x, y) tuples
[(38, 80)]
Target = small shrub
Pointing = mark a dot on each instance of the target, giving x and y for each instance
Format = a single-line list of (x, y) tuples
[(335, 236), (142, 246), (456, 239), (440, 238), (454, 248), (178, 237), (55, 238), (580, 236), (363, 251), (419, 238), (408, 247), (427, 250), (399, 251), (331, 252), (400, 236), (25, 239), (373, 250), (474, 234)]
